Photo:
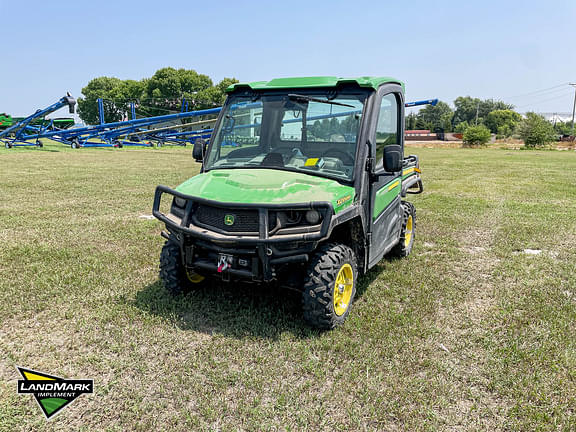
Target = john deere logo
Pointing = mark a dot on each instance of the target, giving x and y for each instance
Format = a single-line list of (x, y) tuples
[(229, 219), (51, 392)]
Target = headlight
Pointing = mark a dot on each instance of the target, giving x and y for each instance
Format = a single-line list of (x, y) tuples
[(312, 217), (296, 218), (179, 202), (292, 217)]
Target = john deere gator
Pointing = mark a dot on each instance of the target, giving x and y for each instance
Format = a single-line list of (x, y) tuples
[(303, 183)]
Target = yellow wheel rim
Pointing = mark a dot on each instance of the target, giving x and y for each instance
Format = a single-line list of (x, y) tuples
[(194, 277), (343, 289), (408, 232)]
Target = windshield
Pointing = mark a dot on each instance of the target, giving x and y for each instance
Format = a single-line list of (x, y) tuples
[(303, 132)]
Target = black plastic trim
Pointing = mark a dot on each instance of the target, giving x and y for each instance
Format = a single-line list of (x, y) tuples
[(324, 207)]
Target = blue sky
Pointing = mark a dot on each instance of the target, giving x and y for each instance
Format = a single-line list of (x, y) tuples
[(507, 50)]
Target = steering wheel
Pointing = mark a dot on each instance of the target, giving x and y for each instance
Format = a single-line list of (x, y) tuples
[(346, 159)]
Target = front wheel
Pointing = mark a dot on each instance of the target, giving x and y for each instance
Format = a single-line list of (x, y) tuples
[(173, 274), (330, 286)]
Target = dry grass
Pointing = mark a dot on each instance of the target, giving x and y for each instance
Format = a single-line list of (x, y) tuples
[(470, 333)]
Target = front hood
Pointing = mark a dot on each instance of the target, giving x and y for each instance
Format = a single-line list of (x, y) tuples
[(267, 186)]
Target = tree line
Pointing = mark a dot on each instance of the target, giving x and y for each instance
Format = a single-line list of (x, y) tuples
[(161, 94), (164, 92), (477, 119)]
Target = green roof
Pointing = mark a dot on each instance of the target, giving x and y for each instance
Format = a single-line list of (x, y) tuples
[(307, 82)]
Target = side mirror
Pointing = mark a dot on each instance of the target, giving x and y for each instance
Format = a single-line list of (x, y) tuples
[(393, 158), (198, 150)]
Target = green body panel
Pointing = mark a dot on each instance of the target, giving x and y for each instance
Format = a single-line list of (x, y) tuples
[(5, 121), (385, 196), (267, 186), (312, 82), (64, 123)]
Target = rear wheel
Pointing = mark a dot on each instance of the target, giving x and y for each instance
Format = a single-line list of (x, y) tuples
[(173, 274), (404, 246), (330, 286)]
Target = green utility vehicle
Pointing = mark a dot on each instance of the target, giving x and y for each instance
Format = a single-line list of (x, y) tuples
[(302, 183), (6, 121)]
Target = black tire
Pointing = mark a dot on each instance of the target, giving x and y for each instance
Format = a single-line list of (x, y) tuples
[(320, 285), (408, 233), (173, 275)]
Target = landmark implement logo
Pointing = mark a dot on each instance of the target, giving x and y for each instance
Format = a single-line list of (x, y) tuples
[(51, 392)]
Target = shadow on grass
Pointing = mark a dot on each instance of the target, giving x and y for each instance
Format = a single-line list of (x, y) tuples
[(232, 309), (236, 309)]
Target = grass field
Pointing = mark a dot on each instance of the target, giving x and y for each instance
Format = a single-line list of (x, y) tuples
[(472, 332)]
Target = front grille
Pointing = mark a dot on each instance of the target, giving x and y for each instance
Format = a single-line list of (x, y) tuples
[(245, 221)]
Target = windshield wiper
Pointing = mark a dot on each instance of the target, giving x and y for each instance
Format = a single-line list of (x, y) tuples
[(312, 99)]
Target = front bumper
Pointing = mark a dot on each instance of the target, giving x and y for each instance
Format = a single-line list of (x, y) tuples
[(253, 255)]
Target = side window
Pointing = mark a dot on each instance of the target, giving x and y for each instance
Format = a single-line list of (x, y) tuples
[(387, 128)]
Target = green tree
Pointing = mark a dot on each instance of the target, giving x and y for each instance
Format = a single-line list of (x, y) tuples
[(435, 118), (563, 128), (410, 121), (225, 83), (161, 94), (474, 110), (212, 96), (465, 109), (536, 131), (168, 86), (106, 88), (476, 135), (122, 95), (461, 127), (505, 131), (502, 122), (489, 105)]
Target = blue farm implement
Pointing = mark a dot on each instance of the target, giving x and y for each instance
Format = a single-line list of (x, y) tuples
[(432, 102), (24, 133), (171, 129), (107, 134)]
